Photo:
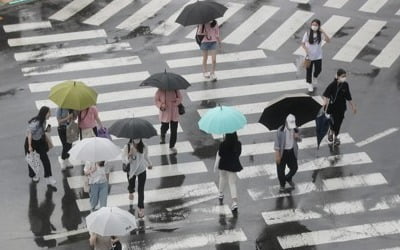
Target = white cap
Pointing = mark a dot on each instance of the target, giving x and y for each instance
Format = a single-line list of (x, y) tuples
[(291, 121)]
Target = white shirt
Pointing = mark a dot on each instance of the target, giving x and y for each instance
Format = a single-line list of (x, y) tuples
[(315, 49), (99, 174), (289, 138)]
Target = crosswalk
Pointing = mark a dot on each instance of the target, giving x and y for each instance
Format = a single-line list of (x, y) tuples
[(246, 85)]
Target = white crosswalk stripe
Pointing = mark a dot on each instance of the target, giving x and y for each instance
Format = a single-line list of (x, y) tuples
[(354, 46), (373, 6), (107, 12), (335, 3), (80, 35), (82, 65), (341, 234), (142, 14), (26, 26), (73, 51), (389, 54), (70, 9), (300, 1), (177, 47), (286, 30), (250, 25)]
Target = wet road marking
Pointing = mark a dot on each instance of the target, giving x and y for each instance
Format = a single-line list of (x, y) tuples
[(195, 240), (192, 203), (377, 137), (156, 172), (107, 12), (70, 9), (80, 66), (373, 6), (26, 26), (300, 1), (245, 72), (168, 26), (331, 26), (251, 24), (178, 47), (338, 4), (363, 36), (62, 37), (157, 195), (332, 209), (222, 58), (398, 12), (331, 184), (232, 9), (341, 160), (388, 54), (254, 89), (342, 234), (146, 12), (306, 143), (94, 81), (64, 52), (286, 30)]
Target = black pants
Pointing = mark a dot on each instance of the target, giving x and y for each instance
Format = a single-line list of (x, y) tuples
[(338, 117), (288, 158), (141, 182), (174, 129), (41, 147), (62, 133), (317, 65)]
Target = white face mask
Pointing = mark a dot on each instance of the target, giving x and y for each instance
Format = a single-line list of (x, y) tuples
[(342, 79), (314, 27), (136, 141)]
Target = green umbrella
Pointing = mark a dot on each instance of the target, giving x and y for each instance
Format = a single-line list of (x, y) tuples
[(73, 95), (222, 120)]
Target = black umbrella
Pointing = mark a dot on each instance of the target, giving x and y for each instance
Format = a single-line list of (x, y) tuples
[(304, 107), (132, 128), (322, 123), (200, 12), (167, 81)]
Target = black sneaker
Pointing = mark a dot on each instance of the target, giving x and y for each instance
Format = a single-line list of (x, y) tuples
[(337, 141), (291, 183), (162, 139), (281, 189)]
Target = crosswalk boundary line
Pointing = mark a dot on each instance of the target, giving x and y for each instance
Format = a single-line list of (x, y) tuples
[(8, 28), (338, 4)]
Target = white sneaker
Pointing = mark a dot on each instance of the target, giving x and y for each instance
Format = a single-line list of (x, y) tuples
[(206, 75), (173, 150), (35, 178), (315, 81), (213, 77), (310, 87), (67, 163), (50, 181)]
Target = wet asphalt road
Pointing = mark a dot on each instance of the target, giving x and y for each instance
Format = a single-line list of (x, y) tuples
[(31, 211)]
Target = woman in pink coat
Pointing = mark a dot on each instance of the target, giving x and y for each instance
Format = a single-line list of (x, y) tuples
[(167, 101)]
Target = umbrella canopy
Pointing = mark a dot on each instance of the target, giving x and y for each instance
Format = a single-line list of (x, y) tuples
[(304, 107), (222, 120), (73, 95), (322, 123), (166, 80), (111, 221), (200, 12), (95, 149), (132, 128)]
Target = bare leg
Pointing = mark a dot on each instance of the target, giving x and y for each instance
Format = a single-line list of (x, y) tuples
[(205, 56), (213, 60)]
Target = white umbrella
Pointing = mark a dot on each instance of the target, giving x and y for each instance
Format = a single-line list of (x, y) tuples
[(111, 221), (95, 149)]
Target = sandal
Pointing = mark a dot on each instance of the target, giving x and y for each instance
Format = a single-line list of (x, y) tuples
[(141, 212)]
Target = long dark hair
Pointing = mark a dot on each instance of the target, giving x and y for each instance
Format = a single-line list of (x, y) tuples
[(41, 116), (230, 141), (139, 147), (311, 32)]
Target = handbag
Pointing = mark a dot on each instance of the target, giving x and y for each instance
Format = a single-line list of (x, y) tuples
[(126, 166), (181, 108), (49, 141), (199, 38), (87, 133), (72, 132), (103, 132), (33, 160), (306, 63)]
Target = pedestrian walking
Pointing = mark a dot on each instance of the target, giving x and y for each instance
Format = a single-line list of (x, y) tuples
[(97, 174), (208, 46), (64, 117), (136, 155), (311, 43), (36, 140), (99, 242), (167, 102), (229, 164), (335, 96), (115, 243), (286, 151), (88, 121)]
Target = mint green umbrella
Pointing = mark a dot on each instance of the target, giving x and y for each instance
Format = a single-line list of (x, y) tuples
[(222, 120)]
